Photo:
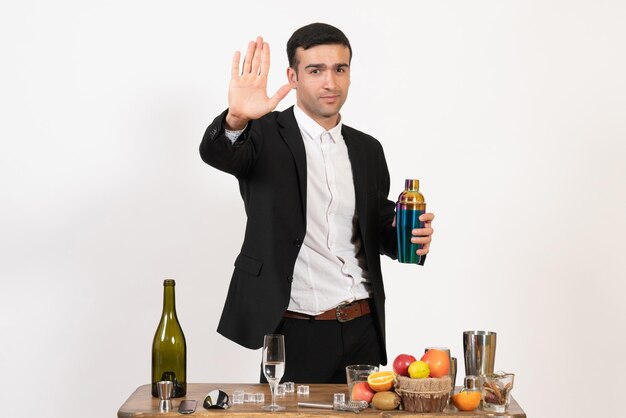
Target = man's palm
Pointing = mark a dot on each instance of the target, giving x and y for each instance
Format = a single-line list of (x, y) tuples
[(247, 93)]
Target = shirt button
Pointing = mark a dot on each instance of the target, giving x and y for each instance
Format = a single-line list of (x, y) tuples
[(297, 242), (290, 279)]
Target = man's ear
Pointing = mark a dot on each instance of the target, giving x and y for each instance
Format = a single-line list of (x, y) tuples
[(292, 77)]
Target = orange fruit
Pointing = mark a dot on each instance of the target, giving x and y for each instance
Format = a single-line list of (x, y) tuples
[(438, 362), (381, 381), (466, 401)]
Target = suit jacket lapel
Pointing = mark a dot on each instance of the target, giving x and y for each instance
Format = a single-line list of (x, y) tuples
[(359, 177), (290, 132)]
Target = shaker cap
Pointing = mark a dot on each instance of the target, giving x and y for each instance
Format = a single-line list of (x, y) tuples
[(471, 382), (411, 184)]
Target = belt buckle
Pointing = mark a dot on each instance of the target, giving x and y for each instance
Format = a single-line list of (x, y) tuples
[(340, 314)]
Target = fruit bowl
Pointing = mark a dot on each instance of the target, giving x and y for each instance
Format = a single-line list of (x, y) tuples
[(424, 395)]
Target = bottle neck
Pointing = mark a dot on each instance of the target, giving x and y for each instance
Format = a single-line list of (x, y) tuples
[(169, 300)]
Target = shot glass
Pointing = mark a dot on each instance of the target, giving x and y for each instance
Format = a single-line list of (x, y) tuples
[(496, 391), (303, 390), (280, 390), (289, 387)]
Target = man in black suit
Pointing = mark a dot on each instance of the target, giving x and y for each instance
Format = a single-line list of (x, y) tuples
[(316, 197)]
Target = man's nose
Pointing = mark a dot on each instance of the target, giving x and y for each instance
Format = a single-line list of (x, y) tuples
[(330, 81)]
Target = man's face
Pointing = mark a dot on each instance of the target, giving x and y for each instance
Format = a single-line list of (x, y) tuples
[(322, 81)]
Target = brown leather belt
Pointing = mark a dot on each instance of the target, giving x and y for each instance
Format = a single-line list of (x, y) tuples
[(342, 313)]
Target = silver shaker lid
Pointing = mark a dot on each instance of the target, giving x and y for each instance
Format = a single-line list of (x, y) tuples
[(471, 382)]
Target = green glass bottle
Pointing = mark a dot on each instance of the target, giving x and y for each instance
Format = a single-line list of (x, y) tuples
[(169, 349)]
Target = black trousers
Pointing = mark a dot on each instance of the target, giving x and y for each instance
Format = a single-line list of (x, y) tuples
[(319, 351)]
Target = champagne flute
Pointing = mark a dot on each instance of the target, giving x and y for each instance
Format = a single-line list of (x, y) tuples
[(273, 365)]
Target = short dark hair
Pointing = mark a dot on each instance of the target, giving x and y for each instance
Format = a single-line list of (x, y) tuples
[(312, 35)]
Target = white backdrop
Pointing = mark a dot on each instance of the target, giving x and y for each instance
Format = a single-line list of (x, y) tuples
[(511, 113)]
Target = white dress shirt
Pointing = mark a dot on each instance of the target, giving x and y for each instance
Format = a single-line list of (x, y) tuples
[(330, 268)]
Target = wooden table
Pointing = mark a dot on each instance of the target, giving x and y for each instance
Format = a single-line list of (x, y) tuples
[(141, 404)]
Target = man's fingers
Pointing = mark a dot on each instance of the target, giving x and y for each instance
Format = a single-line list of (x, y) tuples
[(422, 232), (280, 94), (256, 58), (265, 60), (234, 72), (423, 235), (421, 240), (427, 217), (247, 61), (423, 251)]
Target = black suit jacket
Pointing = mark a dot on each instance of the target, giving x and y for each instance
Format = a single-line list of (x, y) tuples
[(269, 161)]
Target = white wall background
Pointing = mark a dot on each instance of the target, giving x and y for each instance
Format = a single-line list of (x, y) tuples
[(512, 114)]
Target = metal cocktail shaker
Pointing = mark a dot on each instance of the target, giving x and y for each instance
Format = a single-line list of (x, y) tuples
[(410, 206), (480, 352)]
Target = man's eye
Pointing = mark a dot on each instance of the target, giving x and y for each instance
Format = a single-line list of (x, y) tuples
[(316, 71), (341, 70)]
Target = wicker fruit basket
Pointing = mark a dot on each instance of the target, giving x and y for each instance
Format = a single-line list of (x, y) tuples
[(424, 395)]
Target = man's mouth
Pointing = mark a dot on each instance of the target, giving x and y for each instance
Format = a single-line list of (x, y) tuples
[(330, 97)]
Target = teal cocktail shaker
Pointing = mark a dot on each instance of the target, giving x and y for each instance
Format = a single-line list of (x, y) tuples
[(410, 206)]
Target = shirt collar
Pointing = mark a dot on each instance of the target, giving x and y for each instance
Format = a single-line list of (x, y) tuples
[(312, 129)]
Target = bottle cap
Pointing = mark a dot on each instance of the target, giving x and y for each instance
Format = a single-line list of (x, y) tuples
[(169, 282)]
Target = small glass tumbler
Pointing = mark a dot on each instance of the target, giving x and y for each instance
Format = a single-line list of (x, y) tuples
[(303, 390), (249, 397), (280, 390), (496, 391), (289, 387), (259, 397), (358, 373), (238, 397)]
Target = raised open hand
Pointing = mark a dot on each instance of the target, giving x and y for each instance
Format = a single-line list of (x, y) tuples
[(247, 92)]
